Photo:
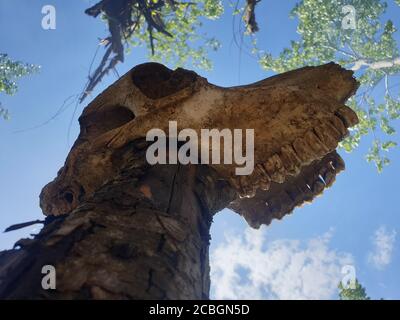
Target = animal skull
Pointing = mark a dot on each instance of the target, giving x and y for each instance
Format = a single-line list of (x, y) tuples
[(298, 118)]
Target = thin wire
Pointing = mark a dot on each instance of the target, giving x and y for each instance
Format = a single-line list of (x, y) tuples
[(60, 110), (63, 107), (83, 90)]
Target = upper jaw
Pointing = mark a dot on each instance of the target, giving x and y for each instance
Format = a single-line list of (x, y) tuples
[(314, 144)]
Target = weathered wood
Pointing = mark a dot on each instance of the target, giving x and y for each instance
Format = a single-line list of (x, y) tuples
[(143, 235)]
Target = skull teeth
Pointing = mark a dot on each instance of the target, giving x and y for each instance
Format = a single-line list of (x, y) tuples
[(264, 180), (303, 150), (247, 187), (327, 137), (275, 169), (278, 167), (318, 186), (283, 198), (339, 125), (347, 115), (328, 174), (313, 145), (291, 160), (338, 164)]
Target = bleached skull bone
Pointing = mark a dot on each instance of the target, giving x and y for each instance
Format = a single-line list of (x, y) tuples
[(298, 118)]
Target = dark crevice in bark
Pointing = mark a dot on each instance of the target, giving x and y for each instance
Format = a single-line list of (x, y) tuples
[(150, 280), (171, 194), (161, 243)]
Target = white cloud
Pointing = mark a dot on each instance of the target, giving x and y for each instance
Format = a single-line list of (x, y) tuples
[(249, 267), (383, 245)]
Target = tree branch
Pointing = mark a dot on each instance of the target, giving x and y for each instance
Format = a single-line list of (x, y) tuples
[(375, 65), (119, 14), (250, 16)]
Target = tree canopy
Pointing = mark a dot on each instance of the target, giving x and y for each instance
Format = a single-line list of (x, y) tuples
[(357, 293)]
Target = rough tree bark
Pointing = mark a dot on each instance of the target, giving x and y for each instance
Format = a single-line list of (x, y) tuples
[(143, 235), (119, 228)]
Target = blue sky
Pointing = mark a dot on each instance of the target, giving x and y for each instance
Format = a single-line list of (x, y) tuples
[(355, 222)]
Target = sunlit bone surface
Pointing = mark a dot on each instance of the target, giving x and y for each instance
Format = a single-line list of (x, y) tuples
[(298, 117)]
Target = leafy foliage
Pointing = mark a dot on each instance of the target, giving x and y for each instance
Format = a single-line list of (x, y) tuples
[(182, 21), (358, 293), (168, 28), (10, 72), (370, 49)]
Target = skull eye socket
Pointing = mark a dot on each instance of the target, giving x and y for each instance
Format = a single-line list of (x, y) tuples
[(69, 197), (97, 123), (156, 81)]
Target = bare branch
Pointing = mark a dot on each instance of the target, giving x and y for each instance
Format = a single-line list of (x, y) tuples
[(250, 16), (375, 65), (124, 17)]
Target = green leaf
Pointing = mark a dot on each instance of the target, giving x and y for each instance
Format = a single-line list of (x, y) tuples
[(388, 145)]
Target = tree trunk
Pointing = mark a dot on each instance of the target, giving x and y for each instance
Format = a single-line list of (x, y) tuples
[(143, 235)]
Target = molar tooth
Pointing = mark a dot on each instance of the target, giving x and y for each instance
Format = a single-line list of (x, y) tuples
[(338, 164), (303, 150), (259, 168), (315, 143), (330, 141), (338, 124), (318, 186), (247, 189), (307, 194), (347, 115), (264, 179), (275, 169), (256, 179), (264, 185), (332, 130), (328, 174), (290, 159)]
